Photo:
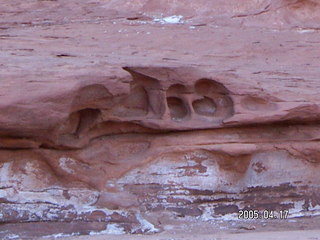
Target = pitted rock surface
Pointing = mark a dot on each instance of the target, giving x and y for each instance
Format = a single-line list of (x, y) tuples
[(146, 116)]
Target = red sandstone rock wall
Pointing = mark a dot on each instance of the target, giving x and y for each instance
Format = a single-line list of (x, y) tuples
[(137, 116)]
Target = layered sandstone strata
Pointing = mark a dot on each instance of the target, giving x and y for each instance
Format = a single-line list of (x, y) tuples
[(137, 118)]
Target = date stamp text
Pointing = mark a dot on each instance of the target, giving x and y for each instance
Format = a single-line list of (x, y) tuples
[(264, 214)]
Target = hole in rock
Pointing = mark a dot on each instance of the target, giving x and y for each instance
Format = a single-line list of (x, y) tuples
[(216, 98), (92, 96), (177, 108), (204, 106), (207, 87), (87, 120), (136, 104)]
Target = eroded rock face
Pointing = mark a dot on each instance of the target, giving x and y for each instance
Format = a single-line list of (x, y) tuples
[(199, 121)]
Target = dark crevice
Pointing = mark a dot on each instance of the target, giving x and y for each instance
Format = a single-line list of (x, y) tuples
[(87, 119), (159, 132)]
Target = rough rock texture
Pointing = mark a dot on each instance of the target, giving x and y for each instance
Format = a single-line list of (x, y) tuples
[(135, 116)]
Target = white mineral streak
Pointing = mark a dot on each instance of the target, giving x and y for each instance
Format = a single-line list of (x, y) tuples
[(65, 163), (170, 20), (113, 229), (5, 169), (62, 235), (184, 174), (146, 226)]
